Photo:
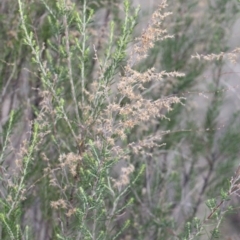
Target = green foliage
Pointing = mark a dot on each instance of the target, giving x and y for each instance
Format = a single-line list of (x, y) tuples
[(102, 142)]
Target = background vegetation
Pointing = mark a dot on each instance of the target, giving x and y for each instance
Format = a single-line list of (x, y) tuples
[(117, 122)]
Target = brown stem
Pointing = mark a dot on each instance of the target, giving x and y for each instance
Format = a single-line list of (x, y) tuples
[(215, 209)]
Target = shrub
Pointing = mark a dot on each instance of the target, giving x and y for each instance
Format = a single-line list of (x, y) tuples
[(95, 140)]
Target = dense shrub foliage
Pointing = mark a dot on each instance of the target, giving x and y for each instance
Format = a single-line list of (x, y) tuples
[(115, 121)]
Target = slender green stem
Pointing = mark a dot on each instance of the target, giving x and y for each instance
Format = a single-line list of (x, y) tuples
[(69, 62), (84, 23)]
